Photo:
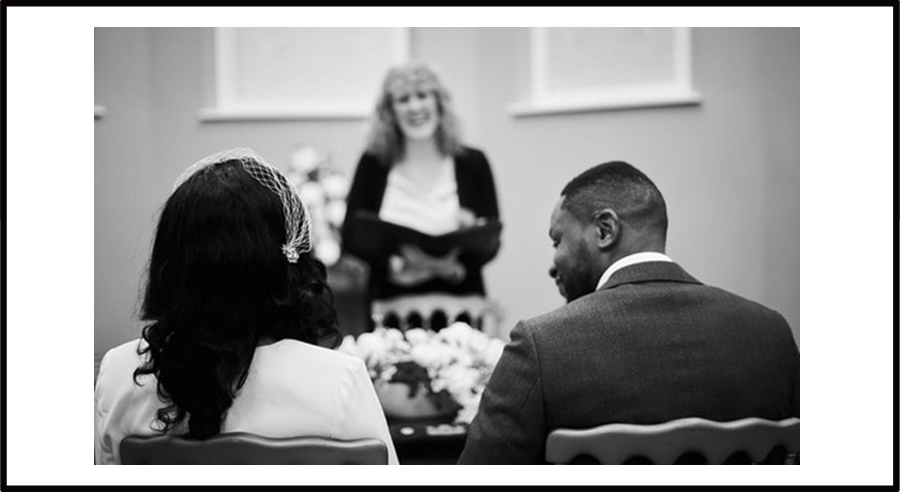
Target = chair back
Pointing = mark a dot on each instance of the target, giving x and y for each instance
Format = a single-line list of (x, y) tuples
[(666, 443), (482, 313), (240, 448)]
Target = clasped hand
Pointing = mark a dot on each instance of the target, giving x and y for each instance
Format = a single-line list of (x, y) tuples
[(413, 266)]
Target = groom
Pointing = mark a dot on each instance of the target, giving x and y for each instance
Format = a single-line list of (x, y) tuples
[(639, 341)]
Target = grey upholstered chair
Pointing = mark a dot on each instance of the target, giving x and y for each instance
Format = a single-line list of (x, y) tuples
[(681, 441), (249, 449)]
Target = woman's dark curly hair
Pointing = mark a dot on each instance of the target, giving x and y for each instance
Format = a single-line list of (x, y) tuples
[(218, 283)]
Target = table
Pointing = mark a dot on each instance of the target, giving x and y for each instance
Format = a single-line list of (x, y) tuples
[(428, 441)]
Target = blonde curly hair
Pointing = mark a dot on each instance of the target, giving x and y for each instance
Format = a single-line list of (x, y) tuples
[(386, 139)]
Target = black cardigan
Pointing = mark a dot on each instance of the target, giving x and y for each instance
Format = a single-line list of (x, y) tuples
[(475, 186)]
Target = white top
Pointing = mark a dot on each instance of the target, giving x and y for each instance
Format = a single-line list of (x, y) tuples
[(292, 389), (630, 260), (433, 210)]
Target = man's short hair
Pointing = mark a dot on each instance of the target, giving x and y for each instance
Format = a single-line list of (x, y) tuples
[(621, 187)]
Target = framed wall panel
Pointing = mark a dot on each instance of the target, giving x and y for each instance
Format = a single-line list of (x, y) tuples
[(598, 68), (302, 73)]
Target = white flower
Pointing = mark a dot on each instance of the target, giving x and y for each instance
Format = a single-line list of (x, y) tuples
[(432, 356), (323, 191), (335, 186), (459, 334), (371, 348), (477, 343), (311, 193), (493, 351), (335, 211), (458, 359), (416, 336), (394, 337), (458, 379), (328, 251)]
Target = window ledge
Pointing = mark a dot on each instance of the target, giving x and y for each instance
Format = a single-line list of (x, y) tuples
[(541, 108), (215, 115)]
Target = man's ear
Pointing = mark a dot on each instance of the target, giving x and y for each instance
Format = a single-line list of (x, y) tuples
[(607, 227)]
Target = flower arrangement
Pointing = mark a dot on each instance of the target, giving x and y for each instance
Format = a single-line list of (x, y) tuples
[(324, 191), (451, 366)]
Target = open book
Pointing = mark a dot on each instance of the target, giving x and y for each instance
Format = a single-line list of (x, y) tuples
[(378, 239)]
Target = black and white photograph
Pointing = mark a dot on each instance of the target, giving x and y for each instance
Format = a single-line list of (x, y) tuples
[(485, 245)]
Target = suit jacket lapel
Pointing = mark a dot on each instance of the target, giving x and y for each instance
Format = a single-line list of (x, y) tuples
[(650, 271)]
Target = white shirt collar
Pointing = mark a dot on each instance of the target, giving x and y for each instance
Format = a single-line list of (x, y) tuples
[(630, 260)]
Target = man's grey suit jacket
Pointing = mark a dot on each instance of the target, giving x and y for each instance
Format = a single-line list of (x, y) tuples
[(653, 344)]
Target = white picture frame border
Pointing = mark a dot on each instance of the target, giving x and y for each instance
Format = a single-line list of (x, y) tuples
[(542, 101), (227, 108)]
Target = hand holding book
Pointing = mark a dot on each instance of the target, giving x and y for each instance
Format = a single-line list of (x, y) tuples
[(414, 266), (378, 240)]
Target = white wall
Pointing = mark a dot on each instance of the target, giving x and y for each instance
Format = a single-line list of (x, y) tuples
[(729, 168), (123, 173)]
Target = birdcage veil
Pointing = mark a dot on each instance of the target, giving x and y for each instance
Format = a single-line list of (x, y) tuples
[(296, 217)]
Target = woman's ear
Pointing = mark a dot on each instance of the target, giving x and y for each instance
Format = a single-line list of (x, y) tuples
[(607, 226)]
